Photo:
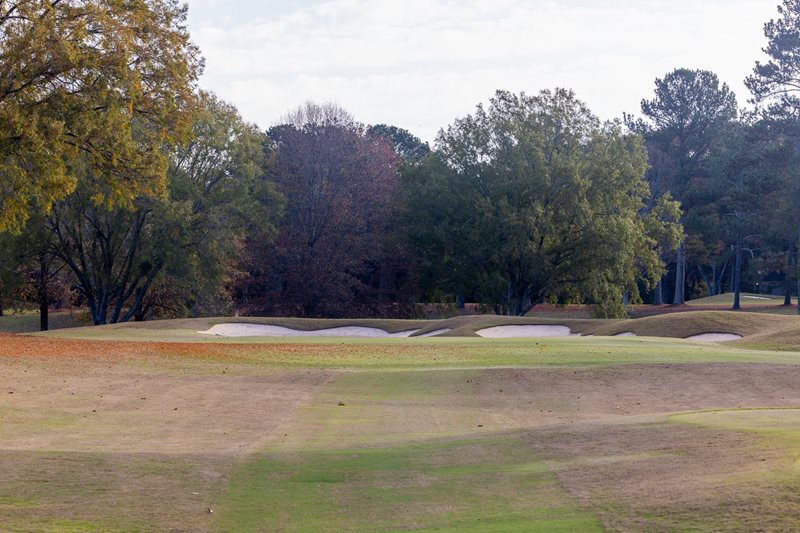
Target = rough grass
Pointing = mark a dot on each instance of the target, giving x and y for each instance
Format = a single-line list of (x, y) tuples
[(463, 450), (467, 326), (376, 354), (55, 491), (28, 322), (683, 325), (447, 434), (747, 300)]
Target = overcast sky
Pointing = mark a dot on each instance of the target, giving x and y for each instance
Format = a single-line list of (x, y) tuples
[(419, 64)]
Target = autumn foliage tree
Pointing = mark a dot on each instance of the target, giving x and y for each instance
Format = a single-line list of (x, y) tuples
[(339, 183), (191, 235), (109, 82)]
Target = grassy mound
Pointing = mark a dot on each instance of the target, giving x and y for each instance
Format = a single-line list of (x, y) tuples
[(468, 326), (759, 329), (187, 329), (782, 336), (747, 300), (682, 325)]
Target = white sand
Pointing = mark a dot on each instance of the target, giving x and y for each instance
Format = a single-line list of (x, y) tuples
[(756, 297), (626, 334), (715, 337), (436, 332), (263, 330), (520, 332)]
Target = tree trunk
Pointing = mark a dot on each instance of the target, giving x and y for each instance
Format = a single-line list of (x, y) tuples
[(714, 280), (44, 301), (787, 295), (44, 317), (99, 310), (658, 295), (737, 277), (680, 265), (718, 277)]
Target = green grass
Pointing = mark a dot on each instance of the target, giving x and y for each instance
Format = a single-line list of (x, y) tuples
[(399, 438), (778, 423), (488, 484), (403, 453)]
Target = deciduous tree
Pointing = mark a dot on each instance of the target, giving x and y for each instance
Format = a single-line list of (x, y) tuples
[(216, 191), (109, 82), (533, 200), (339, 183)]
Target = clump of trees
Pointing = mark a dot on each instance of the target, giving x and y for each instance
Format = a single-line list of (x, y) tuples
[(128, 190), (190, 235), (734, 172), (534, 200)]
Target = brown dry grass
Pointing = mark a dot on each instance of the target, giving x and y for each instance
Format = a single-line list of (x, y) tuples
[(389, 408), (668, 477), (150, 433), (684, 325), (106, 436)]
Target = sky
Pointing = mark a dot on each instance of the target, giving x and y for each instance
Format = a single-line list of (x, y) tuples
[(420, 64)]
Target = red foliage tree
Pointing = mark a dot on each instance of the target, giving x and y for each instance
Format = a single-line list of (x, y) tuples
[(339, 183)]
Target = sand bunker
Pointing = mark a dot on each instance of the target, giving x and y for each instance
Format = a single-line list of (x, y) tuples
[(756, 297), (626, 334), (435, 332), (519, 332), (263, 330), (715, 337)]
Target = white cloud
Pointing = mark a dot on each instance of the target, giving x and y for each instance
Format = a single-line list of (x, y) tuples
[(421, 63)]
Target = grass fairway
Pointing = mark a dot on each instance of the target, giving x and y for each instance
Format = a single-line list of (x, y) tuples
[(153, 429), (489, 484)]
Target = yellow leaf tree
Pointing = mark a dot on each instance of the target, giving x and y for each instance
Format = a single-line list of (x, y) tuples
[(106, 82)]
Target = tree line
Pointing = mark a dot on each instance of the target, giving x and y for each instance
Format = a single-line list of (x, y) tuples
[(130, 191)]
